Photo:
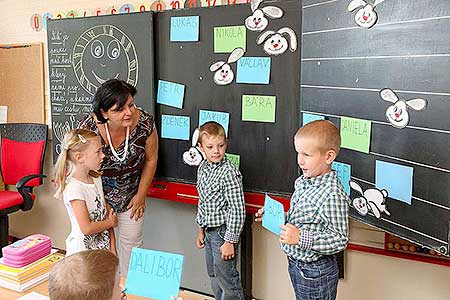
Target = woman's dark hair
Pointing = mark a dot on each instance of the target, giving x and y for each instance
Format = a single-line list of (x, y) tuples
[(110, 93)]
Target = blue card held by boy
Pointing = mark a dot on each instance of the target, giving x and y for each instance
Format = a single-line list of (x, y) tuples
[(154, 274), (273, 215)]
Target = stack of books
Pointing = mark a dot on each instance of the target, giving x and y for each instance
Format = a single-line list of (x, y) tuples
[(24, 278)]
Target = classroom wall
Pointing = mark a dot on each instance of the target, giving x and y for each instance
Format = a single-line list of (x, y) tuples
[(368, 276)]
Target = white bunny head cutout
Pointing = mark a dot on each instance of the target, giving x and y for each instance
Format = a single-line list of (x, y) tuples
[(257, 21), (366, 16), (275, 43), (224, 74), (194, 156), (397, 114), (371, 200)]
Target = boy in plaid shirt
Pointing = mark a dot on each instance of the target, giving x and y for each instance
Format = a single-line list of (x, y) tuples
[(221, 213), (317, 221)]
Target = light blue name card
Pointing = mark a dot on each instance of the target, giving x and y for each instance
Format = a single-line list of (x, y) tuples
[(154, 274), (184, 29), (308, 118), (223, 118), (396, 179), (273, 215), (175, 127), (170, 93), (343, 172), (253, 70)]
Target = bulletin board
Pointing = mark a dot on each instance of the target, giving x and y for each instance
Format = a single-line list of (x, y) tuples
[(22, 82), (265, 148), (384, 82), (85, 52)]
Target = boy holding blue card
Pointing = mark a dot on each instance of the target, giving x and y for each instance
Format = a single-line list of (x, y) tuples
[(221, 212), (317, 221)]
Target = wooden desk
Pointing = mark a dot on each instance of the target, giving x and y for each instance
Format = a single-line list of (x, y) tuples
[(43, 289)]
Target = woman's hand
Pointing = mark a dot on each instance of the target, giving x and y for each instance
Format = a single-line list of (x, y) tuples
[(227, 251), (137, 205), (259, 214)]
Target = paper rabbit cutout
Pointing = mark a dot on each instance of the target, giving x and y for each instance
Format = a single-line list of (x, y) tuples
[(194, 156), (257, 21), (275, 43), (223, 73), (366, 16), (397, 114), (371, 200)]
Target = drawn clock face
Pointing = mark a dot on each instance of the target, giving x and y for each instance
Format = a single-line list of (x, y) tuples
[(104, 52)]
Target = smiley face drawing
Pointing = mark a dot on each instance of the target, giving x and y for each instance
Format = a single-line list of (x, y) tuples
[(104, 52)]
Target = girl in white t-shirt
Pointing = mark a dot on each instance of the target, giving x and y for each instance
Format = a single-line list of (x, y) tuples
[(79, 184)]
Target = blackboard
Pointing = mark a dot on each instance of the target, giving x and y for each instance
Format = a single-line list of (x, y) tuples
[(267, 155), (344, 68), (82, 53)]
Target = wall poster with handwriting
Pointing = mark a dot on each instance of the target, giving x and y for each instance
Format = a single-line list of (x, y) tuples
[(84, 53)]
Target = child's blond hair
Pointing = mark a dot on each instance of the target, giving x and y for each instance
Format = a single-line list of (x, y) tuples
[(76, 140), (325, 134), (211, 128), (86, 275)]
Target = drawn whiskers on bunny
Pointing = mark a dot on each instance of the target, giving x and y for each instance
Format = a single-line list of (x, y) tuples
[(223, 73), (397, 114), (257, 21), (371, 200), (194, 156), (366, 16)]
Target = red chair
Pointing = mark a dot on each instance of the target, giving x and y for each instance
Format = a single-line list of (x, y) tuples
[(22, 160)]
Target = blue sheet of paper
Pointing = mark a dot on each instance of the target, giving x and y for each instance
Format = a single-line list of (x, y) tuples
[(170, 93), (273, 215), (344, 172), (184, 29), (253, 70), (175, 127), (223, 118), (307, 118), (154, 274), (396, 179)]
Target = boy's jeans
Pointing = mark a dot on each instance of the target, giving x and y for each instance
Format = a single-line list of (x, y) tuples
[(225, 280), (315, 280)]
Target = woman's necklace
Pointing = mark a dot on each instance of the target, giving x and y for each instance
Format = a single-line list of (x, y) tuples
[(125, 150)]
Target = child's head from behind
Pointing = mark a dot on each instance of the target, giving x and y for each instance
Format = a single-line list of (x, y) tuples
[(80, 149), (317, 145), (212, 141), (87, 275)]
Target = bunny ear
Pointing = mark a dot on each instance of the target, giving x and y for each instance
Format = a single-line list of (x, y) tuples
[(377, 2), (235, 55), (417, 104), (388, 95), (293, 37), (272, 12), (354, 185), (355, 4), (254, 4), (263, 36), (215, 66), (195, 136)]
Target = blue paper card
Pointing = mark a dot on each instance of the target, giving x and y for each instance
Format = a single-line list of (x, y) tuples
[(253, 70), (223, 118), (308, 118), (273, 215), (396, 179), (175, 127), (154, 274), (344, 172), (170, 93), (184, 29)]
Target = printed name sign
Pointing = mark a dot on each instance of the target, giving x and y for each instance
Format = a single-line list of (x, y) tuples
[(355, 134), (273, 215), (253, 70), (175, 127), (154, 274), (184, 29), (170, 93)]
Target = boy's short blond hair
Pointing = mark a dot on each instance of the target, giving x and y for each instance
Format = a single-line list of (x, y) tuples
[(325, 134), (211, 128), (86, 275)]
